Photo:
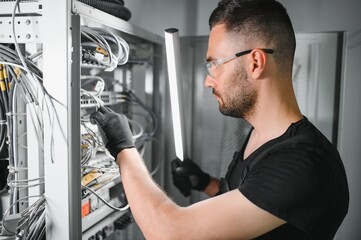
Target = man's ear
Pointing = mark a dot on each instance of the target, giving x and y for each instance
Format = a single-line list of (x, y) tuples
[(258, 63)]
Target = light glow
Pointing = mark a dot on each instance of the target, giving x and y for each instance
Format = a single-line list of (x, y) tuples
[(173, 61)]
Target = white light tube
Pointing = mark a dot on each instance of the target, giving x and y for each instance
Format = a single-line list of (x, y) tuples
[(173, 63)]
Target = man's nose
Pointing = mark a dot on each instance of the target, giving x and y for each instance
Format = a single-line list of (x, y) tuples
[(209, 81)]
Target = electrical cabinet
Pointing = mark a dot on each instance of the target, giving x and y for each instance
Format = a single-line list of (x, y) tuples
[(72, 44)]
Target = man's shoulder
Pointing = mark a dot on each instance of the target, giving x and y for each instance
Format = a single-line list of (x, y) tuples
[(304, 133)]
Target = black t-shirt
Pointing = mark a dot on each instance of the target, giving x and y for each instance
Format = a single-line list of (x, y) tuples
[(302, 182)]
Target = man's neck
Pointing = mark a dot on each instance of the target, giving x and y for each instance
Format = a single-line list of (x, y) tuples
[(270, 121)]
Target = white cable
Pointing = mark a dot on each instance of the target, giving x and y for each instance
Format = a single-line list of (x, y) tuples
[(38, 112), (137, 124), (100, 91), (97, 100), (122, 209), (103, 169), (36, 56), (101, 37), (15, 41), (29, 180), (12, 185), (91, 151), (97, 140), (23, 199)]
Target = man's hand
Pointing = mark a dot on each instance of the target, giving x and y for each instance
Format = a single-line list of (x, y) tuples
[(116, 129), (187, 175)]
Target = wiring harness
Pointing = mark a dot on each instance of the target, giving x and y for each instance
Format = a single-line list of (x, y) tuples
[(22, 85), (23, 100), (104, 48)]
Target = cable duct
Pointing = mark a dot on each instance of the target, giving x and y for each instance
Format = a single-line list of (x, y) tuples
[(113, 7)]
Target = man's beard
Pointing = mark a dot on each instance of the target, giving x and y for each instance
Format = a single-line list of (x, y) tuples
[(239, 97)]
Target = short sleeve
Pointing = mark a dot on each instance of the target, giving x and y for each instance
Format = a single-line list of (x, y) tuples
[(292, 184)]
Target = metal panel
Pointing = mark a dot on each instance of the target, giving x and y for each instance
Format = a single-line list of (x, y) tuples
[(94, 15), (62, 139), (27, 29), (89, 234), (73, 119), (30, 6)]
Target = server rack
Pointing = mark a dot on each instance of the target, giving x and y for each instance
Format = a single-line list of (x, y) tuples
[(55, 27)]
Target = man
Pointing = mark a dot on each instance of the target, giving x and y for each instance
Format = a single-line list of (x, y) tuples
[(296, 191)]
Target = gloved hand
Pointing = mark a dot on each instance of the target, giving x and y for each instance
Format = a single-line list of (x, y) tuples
[(187, 175), (116, 129)]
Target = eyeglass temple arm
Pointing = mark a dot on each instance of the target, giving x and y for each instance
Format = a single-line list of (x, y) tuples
[(266, 50)]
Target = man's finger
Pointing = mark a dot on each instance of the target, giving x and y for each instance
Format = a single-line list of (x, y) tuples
[(103, 109), (96, 117)]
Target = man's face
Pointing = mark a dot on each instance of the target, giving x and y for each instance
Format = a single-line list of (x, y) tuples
[(233, 90)]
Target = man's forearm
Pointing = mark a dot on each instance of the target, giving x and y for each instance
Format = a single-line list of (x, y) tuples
[(146, 199)]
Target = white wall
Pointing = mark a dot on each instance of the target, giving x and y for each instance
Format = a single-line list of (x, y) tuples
[(191, 17)]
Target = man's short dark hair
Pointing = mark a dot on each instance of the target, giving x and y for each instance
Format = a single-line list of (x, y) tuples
[(265, 20)]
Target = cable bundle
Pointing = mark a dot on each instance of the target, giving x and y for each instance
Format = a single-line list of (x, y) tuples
[(18, 80), (97, 48), (21, 77), (98, 176), (32, 224), (21, 84), (4, 105), (32, 221)]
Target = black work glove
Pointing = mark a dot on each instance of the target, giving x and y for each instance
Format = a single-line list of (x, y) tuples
[(187, 175), (116, 130)]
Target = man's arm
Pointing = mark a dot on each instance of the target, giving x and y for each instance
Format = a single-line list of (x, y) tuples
[(228, 216)]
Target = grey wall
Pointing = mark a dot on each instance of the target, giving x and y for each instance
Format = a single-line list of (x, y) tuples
[(191, 17), (306, 15), (157, 15)]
